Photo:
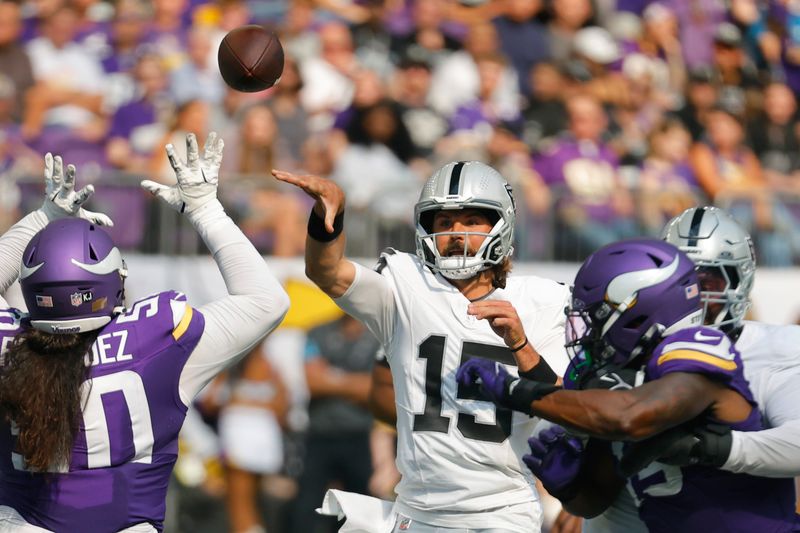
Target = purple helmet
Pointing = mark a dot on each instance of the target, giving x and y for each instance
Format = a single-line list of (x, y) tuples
[(72, 277), (627, 296)]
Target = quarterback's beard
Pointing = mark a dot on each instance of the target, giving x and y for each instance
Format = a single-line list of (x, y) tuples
[(458, 250)]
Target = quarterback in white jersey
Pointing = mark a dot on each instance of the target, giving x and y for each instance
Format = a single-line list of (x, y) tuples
[(459, 456), (723, 253)]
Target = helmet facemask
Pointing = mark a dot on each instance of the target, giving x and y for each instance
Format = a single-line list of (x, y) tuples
[(724, 292), (462, 185), (494, 248)]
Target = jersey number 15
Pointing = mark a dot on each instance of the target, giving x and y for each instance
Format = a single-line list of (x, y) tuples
[(432, 350)]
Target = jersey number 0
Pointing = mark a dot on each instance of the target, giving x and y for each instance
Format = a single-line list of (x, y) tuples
[(432, 350)]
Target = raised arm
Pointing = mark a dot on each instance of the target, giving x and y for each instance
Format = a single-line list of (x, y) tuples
[(326, 264), (633, 414), (61, 200), (256, 302)]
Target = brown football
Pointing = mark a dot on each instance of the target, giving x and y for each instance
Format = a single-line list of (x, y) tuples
[(250, 58)]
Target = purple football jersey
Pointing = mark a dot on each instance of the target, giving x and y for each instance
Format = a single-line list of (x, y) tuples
[(586, 171), (127, 442), (702, 499)]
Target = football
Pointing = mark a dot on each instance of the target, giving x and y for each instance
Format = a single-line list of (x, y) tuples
[(250, 58)]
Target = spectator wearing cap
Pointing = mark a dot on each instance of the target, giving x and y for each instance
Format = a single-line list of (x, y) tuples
[(568, 16), (599, 52), (411, 89), (731, 176), (14, 61), (734, 73), (523, 38), (701, 95), (593, 206)]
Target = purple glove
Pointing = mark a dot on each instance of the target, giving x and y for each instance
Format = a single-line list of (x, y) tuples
[(491, 376), (556, 459)]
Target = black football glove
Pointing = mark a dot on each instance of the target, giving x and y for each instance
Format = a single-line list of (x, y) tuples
[(706, 444)]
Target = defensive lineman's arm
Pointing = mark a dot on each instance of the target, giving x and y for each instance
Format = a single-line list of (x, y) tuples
[(256, 303), (633, 414)]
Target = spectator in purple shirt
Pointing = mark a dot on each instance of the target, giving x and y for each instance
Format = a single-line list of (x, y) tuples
[(667, 185), (593, 208), (137, 126)]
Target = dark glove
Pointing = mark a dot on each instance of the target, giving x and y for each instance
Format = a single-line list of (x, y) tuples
[(687, 445), (500, 387), (616, 379), (556, 458)]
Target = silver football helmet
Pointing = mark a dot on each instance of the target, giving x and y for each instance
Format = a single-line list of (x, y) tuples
[(718, 245), (465, 185)]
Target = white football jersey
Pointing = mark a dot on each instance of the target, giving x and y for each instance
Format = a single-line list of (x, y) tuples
[(770, 354), (771, 358), (460, 457)]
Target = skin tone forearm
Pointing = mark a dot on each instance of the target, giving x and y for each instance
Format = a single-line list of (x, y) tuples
[(505, 322), (326, 264), (632, 414)]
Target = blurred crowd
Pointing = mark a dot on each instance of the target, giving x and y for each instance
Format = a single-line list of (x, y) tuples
[(608, 117)]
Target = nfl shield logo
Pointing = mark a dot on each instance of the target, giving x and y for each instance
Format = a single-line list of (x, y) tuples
[(405, 523), (76, 299)]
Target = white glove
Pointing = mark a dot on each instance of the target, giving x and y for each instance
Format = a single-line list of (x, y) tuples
[(197, 178), (61, 200)]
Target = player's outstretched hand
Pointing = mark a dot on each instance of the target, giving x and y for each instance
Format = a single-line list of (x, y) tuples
[(328, 195), (61, 199), (490, 376), (197, 177), (556, 458)]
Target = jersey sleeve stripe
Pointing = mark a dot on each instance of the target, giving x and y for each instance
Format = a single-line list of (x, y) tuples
[(691, 355), (183, 325)]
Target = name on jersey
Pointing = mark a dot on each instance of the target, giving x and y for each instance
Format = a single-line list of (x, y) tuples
[(109, 348), (4, 344)]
